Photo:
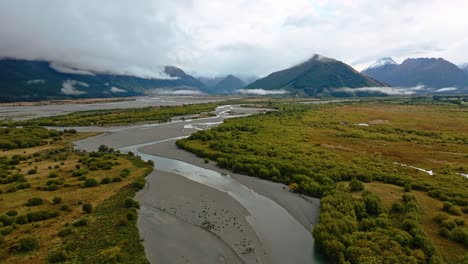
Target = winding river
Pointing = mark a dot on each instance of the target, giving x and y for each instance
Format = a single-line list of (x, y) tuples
[(286, 238)]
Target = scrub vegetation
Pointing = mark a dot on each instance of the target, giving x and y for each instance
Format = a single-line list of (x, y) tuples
[(55, 205), (338, 152), (118, 116)]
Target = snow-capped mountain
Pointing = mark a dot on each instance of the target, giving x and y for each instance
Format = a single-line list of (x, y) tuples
[(382, 62)]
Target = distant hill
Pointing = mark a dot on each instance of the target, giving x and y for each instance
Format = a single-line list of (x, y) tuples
[(222, 85), (38, 80), (210, 82), (229, 84), (316, 76), (430, 72), (464, 68)]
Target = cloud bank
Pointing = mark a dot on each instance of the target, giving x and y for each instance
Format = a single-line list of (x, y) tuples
[(206, 37)]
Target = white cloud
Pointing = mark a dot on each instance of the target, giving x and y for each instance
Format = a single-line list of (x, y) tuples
[(446, 89), (261, 92), (238, 36), (65, 69), (160, 91), (68, 87), (117, 90), (384, 90)]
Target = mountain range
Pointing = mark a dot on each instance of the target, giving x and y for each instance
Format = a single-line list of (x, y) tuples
[(36, 80), (429, 72), (318, 76)]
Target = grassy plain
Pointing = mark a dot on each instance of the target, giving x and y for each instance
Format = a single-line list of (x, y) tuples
[(316, 148), (63, 180)]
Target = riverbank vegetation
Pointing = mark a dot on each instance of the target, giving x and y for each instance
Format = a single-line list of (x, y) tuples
[(58, 204), (118, 116), (321, 148)]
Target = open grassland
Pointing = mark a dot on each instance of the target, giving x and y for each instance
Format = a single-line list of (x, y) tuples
[(314, 149), (54, 202)]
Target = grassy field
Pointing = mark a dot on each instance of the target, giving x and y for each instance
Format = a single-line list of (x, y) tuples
[(52, 196), (315, 149)]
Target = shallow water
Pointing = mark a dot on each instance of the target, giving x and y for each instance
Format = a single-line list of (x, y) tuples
[(288, 240)]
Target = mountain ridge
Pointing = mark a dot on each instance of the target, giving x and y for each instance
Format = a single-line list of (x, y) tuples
[(37, 80), (430, 72), (318, 75)]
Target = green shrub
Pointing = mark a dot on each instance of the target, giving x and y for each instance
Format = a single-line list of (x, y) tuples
[(90, 182), (130, 202), (449, 224), (398, 207), (407, 187), (447, 205), (22, 219), (87, 208), (41, 215), (35, 201), (439, 218), (7, 220), (6, 230), (131, 216), (57, 200), (454, 210), (460, 222), (78, 173), (116, 179), (65, 232), (12, 213), (28, 243), (138, 185), (105, 180), (57, 256), (53, 174), (356, 185), (52, 187), (32, 171), (64, 208), (2, 240)]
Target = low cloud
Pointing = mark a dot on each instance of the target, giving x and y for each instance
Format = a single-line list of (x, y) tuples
[(446, 89), (260, 92), (36, 81), (66, 69), (160, 91), (383, 90), (117, 90), (68, 87)]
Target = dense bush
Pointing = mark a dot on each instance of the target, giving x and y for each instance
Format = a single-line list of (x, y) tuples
[(57, 200), (57, 256), (28, 243), (35, 201), (130, 202), (41, 215), (356, 185), (87, 208), (90, 182)]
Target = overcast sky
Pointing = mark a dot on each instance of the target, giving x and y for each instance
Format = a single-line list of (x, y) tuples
[(214, 37)]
